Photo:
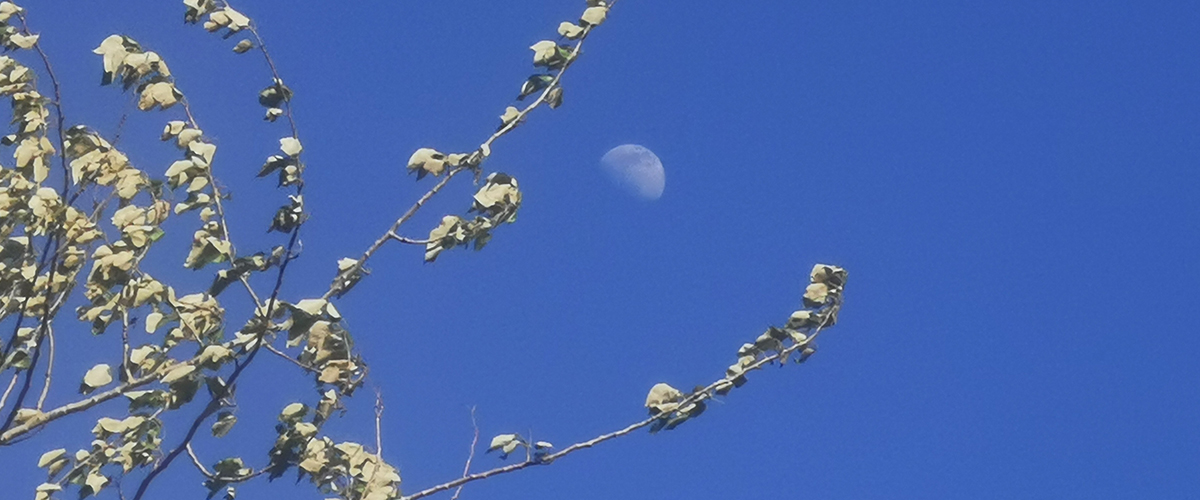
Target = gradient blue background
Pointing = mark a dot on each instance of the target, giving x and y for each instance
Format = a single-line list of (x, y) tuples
[(1010, 184)]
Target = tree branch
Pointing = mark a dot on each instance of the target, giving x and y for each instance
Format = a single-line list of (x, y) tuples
[(695, 397), (84, 404), (214, 404), (333, 289), (392, 234)]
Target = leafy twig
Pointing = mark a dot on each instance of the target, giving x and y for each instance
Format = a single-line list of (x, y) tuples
[(695, 397), (395, 226)]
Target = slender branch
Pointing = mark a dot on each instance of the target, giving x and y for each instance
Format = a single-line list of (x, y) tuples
[(274, 350), (408, 241), (213, 405), (694, 397), (470, 456), (217, 201), (84, 404), (60, 122), (47, 319), (49, 370), (378, 427), (196, 461), (214, 476), (392, 233), (125, 343), (11, 383), (399, 222)]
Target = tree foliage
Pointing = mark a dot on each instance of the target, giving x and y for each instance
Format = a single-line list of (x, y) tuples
[(54, 248)]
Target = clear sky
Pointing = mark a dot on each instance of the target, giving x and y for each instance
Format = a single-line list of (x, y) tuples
[(1011, 186)]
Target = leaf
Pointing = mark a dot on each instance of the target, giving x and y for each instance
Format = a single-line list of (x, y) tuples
[(502, 441), (312, 307), (510, 114), (290, 146), (224, 424), (96, 481), (45, 490), (99, 376), (153, 320), (293, 412), (23, 41), (662, 398), (243, 46), (594, 16), (178, 373), (544, 52), (439, 235), (801, 319), (830, 275), (532, 85), (7, 9), (426, 161), (816, 294), (554, 98), (570, 30), (52, 456)]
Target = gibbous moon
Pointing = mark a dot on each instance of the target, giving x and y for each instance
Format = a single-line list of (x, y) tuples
[(636, 169)]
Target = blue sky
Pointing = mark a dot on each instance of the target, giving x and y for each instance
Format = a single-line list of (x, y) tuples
[(1010, 185)]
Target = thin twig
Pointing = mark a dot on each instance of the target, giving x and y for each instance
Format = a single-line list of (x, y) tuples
[(87, 403), (196, 461), (378, 427), (214, 476), (470, 456), (49, 370), (409, 241), (60, 123), (274, 350), (11, 383), (125, 344)]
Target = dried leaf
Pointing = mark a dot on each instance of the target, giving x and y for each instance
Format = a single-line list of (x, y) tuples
[(290, 146), (570, 30), (502, 441), (594, 16), (99, 376), (662, 398), (243, 46), (816, 294), (52, 456)]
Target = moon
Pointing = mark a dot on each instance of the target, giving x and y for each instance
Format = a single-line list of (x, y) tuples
[(636, 169)]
